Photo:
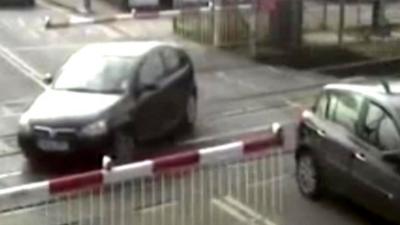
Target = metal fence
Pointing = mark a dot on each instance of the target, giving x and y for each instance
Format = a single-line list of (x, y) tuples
[(236, 183), (326, 18), (226, 23)]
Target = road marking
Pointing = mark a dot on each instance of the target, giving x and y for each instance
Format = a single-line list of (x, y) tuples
[(253, 214), (23, 67), (111, 33), (10, 174), (273, 69), (223, 135), (53, 7), (228, 209), (161, 206), (292, 103), (271, 180), (21, 22), (353, 79), (238, 82)]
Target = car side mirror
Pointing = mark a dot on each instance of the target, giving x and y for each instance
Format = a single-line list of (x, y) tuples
[(47, 79), (314, 108), (150, 87)]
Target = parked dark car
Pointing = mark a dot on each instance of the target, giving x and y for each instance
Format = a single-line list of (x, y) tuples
[(349, 143), (109, 96), (17, 2)]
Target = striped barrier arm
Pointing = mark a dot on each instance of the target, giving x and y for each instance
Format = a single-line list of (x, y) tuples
[(151, 14), (35, 193)]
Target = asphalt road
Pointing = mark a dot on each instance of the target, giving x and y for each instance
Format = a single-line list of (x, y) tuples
[(237, 96)]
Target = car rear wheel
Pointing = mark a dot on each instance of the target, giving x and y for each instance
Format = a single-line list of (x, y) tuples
[(124, 144), (308, 176)]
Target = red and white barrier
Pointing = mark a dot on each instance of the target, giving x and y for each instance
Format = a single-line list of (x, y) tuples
[(150, 14), (11, 198)]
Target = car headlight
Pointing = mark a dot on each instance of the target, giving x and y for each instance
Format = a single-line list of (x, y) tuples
[(23, 124), (96, 128), (24, 119)]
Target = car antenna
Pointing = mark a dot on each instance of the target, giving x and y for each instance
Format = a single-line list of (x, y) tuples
[(386, 86)]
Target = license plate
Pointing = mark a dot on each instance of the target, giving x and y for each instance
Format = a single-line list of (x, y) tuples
[(53, 145)]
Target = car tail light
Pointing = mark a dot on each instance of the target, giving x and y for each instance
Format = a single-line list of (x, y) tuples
[(304, 114)]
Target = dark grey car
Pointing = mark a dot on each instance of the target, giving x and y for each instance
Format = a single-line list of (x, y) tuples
[(350, 144), (109, 96), (17, 2)]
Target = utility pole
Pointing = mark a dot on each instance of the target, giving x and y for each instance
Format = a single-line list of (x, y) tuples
[(252, 31), (341, 21), (325, 15), (379, 21), (87, 6)]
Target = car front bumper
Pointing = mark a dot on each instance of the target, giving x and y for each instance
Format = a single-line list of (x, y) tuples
[(78, 146)]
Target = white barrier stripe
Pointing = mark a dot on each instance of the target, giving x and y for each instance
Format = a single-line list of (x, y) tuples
[(242, 6), (222, 153), (128, 172), (123, 16), (25, 194), (170, 13), (74, 19)]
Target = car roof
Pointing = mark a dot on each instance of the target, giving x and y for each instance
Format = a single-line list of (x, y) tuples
[(373, 90), (123, 49)]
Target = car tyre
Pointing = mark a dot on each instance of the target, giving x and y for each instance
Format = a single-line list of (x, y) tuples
[(308, 176), (124, 145), (30, 3), (190, 116)]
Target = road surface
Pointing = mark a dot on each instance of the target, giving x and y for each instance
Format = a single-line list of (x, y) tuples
[(237, 96)]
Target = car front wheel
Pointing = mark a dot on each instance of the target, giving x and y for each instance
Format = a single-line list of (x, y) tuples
[(308, 176), (124, 146), (30, 3), (190, 112)]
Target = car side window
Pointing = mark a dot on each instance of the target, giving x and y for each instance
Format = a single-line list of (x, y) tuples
[(151, 70), (171, 59), (344, 109), (379, 129), (321, 106)]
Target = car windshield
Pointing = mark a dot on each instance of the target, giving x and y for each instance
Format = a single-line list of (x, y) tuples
[(99, 74)]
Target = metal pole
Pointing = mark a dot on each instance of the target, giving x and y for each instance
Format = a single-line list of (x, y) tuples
[(325, 15), (87, 6), (358, 12), (215, 22), (252, 30), (341, 21), (211, 5)]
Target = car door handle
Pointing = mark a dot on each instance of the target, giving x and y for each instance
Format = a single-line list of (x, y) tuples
[(360, 156), (321, 133)]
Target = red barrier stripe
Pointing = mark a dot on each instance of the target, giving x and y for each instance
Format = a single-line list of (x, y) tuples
[(176, 160), (261, 144), (76, 182)]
